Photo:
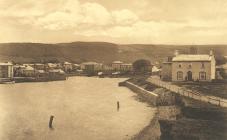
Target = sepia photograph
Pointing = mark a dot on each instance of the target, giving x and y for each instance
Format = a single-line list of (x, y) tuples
[(113, 70)]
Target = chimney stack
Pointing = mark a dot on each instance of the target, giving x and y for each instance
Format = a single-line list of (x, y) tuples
[(176, 52), (211, 53)]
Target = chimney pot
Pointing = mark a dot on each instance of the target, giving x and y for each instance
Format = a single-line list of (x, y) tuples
[(211, 53)]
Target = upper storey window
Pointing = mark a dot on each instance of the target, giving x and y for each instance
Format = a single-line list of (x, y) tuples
[(190, 66), (179, 66)]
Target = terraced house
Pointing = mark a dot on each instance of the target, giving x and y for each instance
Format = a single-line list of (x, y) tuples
[(6, 70), (197, 67)]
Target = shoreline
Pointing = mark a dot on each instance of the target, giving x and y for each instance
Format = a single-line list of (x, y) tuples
[(178, 117), (48, 79), (153, 127), (152, 130)]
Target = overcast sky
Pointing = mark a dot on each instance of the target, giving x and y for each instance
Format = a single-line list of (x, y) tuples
[(118, 21)]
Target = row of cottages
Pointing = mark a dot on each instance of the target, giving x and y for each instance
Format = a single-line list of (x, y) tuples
[(188, 67), (91, 67), (96, 67), (38, 69), (6, 70), (120, 66), (28, 70)]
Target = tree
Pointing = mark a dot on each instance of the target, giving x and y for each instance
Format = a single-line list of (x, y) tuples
[(220, 60), (142, 66)]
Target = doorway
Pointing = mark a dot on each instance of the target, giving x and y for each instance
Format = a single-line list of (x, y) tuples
[(189, 75)]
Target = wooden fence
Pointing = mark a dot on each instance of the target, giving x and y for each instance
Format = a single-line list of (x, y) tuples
[(189, 93)]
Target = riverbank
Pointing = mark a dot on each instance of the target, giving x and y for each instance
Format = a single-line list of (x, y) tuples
[(163, 100), (180, 118), (39, 79), (48, 78)]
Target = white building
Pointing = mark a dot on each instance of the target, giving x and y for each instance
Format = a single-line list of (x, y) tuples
[(126, 67), (116, 65), (120, 66), (91, 66), (193, 67), (28, 71), (6, 70), (67, 66), (156, 70), (39, 66)]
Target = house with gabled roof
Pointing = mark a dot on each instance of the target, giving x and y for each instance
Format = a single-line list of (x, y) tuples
[(196, 67)]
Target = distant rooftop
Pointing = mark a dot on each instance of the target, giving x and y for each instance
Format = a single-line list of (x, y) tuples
[(117, 62), (67, 63), (89, 63), (155, 69), (41, 71), (52, 65), (6, 64), (38, 64), (127, 64), (185, 57), (29, 68), (57, 71)]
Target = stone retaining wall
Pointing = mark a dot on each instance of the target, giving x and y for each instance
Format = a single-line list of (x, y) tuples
[(148, 95)]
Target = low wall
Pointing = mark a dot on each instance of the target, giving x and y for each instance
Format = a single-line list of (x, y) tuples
[(149, 96)]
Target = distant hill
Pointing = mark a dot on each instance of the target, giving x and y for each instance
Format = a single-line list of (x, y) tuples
[(104, 52)]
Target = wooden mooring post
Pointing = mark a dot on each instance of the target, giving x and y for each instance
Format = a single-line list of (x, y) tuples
[(51, 121), (118, 105)]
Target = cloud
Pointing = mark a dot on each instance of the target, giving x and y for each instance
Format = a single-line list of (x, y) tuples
[(86, 14), (159, 21), (124, 17), (95, 14), (138, 29), (27, 8)]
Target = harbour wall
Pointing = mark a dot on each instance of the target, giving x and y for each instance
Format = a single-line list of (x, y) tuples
[(153, 95), (148, 95), (178, 117)]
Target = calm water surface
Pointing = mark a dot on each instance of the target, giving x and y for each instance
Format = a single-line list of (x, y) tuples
[(85, 108)]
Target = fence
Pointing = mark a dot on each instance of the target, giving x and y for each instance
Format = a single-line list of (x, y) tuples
[(189, 93)]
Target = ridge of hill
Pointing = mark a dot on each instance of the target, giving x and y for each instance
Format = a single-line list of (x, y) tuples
[(103, 52)]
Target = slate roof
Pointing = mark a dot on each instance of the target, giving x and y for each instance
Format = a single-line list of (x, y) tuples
[(6, 64), (185, 57), (117, 62)]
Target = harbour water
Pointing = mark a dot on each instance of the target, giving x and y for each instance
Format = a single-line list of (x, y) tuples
[(84, 108)]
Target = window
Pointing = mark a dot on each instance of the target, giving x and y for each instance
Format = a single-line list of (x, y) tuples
[(203, 65), (190, 66), (202, 75), (179, 66), (179, 75)]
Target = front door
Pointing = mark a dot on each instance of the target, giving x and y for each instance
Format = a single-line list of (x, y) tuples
[(189, 75)]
